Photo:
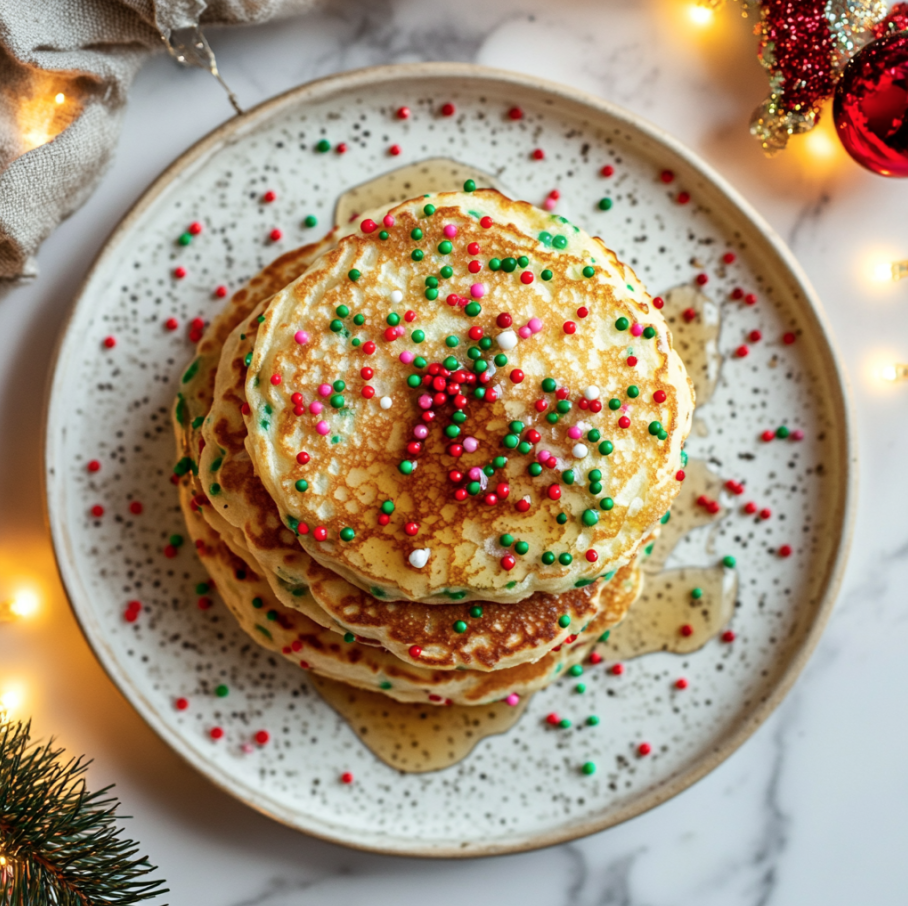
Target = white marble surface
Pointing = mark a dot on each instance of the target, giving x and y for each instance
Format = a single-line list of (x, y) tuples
[(813, 808)]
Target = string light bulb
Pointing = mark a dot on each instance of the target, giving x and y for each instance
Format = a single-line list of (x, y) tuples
[(899, 270), (11, 700), (895, 372), (59, 97), (23, 604)]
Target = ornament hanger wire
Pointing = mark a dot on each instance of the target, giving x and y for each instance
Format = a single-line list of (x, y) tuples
[(190, 48)]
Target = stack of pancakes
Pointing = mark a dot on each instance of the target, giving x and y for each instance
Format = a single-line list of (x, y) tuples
[(426, 454)]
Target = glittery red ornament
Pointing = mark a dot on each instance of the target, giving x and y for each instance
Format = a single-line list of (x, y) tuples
[(871, 106)]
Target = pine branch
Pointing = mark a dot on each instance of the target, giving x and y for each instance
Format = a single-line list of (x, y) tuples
[(60, 842)]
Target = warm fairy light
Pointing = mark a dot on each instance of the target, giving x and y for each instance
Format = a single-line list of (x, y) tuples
[(23, 603), (42, 117), (820, 145), (895, 372), (899, 270), (880, 268), (11, 699), (60, 97), (701, 14)]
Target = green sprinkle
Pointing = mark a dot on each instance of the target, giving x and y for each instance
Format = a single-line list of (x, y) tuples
[(429, 210), (506, 540), (202, 588), (185, 239), (221, 691), (416, 234), (564, 723), (548, 558), (782, 432), (509, 265), (387, 507), (580, 688), (511, 441), (418, 336), (592, 721), (452, 341), (384, 684), (336, 326), (323, 146), (545, 238), (521, 547), (214, 489), (302, 485), (649, 332), (576, 670), (595, 487), (459, 417), (594, 475), (337, 400), (563, 406), (561, 518), (406, 467), (589, 272), (500, 462), (568, 476), (384, 234), (431, 294), (176, 540), (655, 427), (589, 517), (666, 517), (473, 309), (494, 264), (447, 271), (622, 324), (356, 341), (460, 626), (417, 254), (413, 380), (605, 204), (393, 319), (445, 248), (473, 488), (606, 447), (347, 534), (419, 362), (476, 611), (606, 503), (311, 221), (452, 431), (605, 635), (469, 186), (548, 384), (258, 603), (565, 559), (546, 275), (588, 767), (485, 343), (501, 360), (349, 637), (729, 561), (614, 403), (523, 261), (535, 469), (564, 621), (560, 242), (524, 447), (450, 363), (696, 593), (633, 391), (339, 386), (354, 275)]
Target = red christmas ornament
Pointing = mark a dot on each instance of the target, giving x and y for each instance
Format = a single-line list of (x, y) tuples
[(871, 106)]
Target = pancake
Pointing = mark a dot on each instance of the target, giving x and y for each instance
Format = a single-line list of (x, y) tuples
[(574, 431), (447, 636), (303, 642)]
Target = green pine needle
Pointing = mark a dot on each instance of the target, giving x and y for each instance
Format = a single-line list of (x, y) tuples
[(60, 842)]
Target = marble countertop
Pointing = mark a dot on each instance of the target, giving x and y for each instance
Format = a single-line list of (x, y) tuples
[(813, 808)]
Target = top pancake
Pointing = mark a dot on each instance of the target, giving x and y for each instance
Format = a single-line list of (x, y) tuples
[(329, 373)]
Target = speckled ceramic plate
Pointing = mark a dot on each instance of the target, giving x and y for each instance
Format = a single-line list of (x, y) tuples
[(522, 789)]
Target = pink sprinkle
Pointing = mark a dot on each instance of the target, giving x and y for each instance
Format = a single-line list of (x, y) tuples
[(388, 221), (247, 748), (450, 231), (470, 444), (420, 432), (525, 333), (323, 428), (574, 433), (406, 357), (475, 474), (478, 290), (324, 390), (316, 407), (797, 435), (512, 699), (301, 337), (637, 330), (550, 203), (535, 325), (425, 401), (543, 455)]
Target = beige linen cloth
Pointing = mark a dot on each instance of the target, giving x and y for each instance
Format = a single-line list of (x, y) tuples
[(86, 51)]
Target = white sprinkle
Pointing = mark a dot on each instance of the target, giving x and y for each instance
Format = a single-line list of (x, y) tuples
[(506, 340), (591, 392), (397, 296), (419, 558), (385, 402), (580, 450)]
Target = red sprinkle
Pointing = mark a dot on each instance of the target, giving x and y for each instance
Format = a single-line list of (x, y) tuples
[(368, 391), (765, 513), (205, 603), (269, 196), (750, 508), (179, 272), (508, 562), (617, 669), (701, 279), (181, 704), (755, 336), (411, 528), (553, 718), (216, 733), (659, 396), (523, 506), (135, 507), (554, 492), (403, 113), (394, 150), (303, 457), (368, 226), (347, 777), (486, 222), (681, 683), (526, 278), (515, 113), (109, 342), (97, 511), (768, 435), (683, 197), (644, 749), (658, 302), (275, 379), (415, 651), (262, 737), (275, 235), (320, 533), (220, 291), (341, 148), (689, 314), (195, 228), (624, 422), (785, 550), (742, 352), (591, 555), (686, 630), (171, 324), (607, 170), (737, 293), (595, 658), (679, 475), (788, 338), (368, 347), (750, 299), (517, 376), (569, 327), (93, 465), (448, 109), (728, 636), (538, 154), (667, 176)]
